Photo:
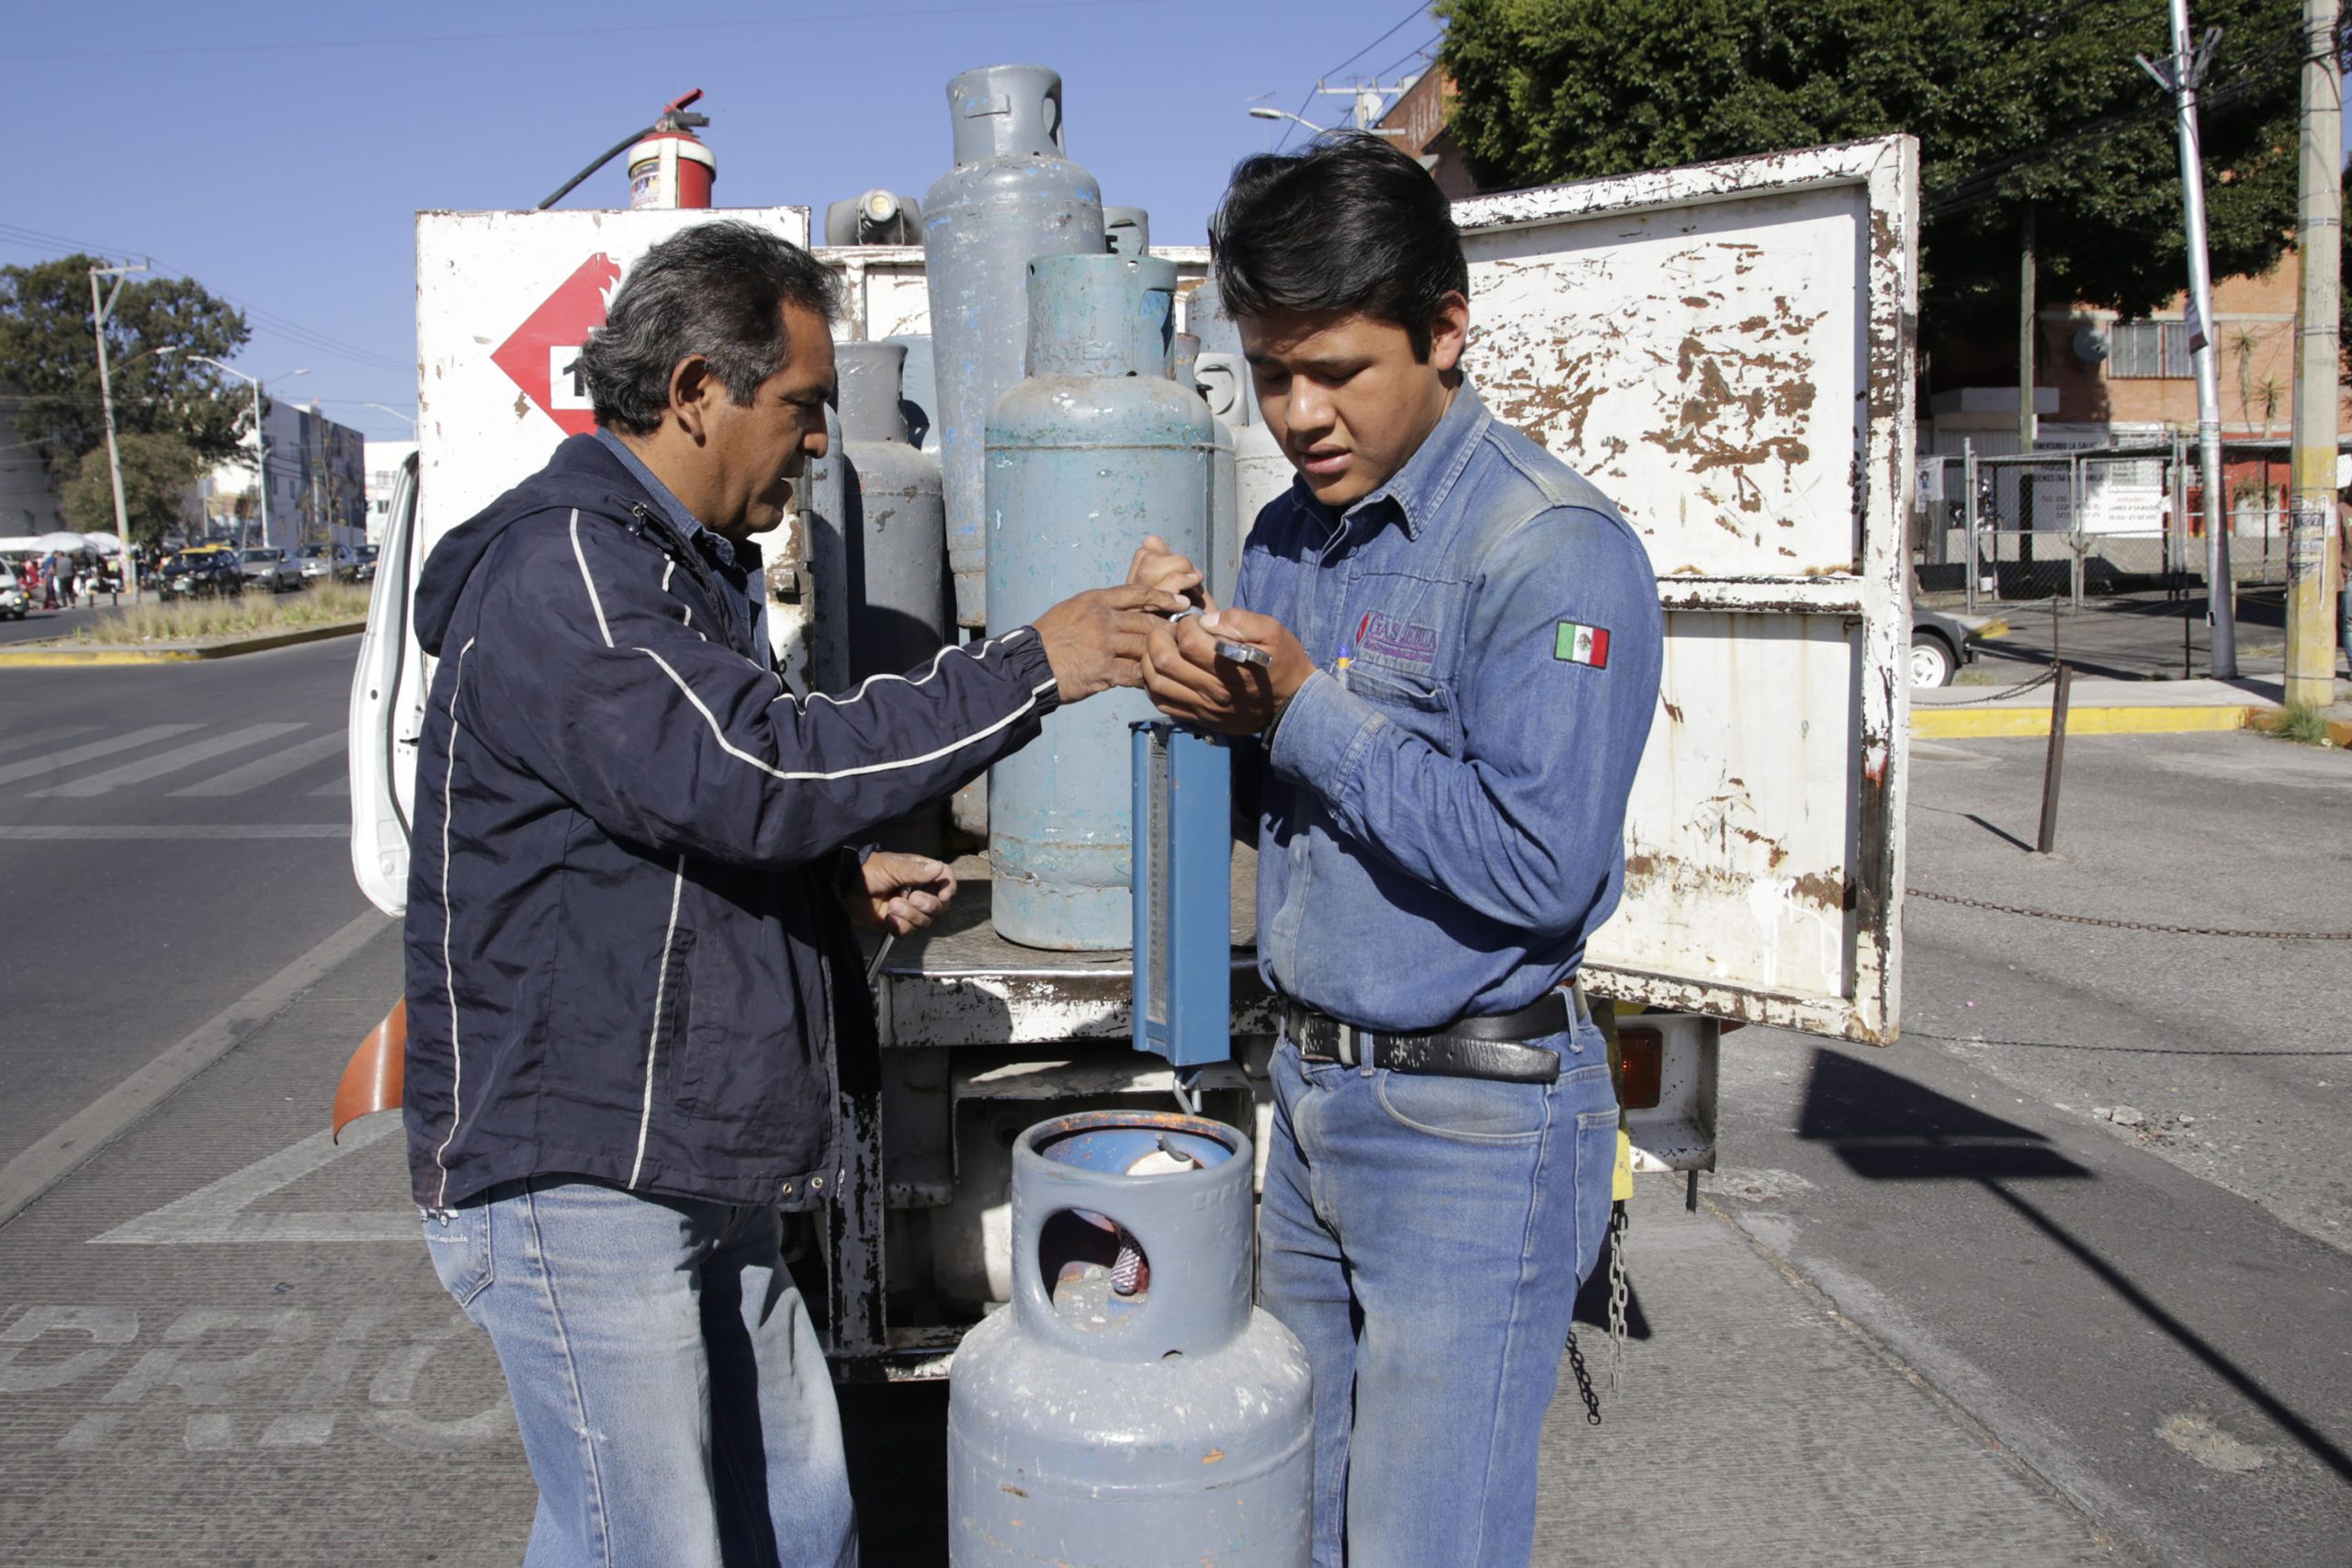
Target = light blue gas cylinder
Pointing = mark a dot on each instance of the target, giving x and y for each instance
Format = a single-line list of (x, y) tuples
[(1012, 195), (1127, 230), (1095, 450), (1130, 1406)]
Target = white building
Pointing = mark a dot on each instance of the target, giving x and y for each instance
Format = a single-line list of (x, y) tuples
[(29, 502), (384, 460), (318, 486)]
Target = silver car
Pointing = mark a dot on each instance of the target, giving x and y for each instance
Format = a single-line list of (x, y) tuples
[(268, 568)]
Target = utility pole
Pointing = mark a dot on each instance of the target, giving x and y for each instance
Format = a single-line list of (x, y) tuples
[(2026, 486), (99, 311), (1370, 99), (2180, 76), (2311, 586)]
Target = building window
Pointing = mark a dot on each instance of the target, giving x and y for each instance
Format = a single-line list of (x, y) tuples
[(2150, 349)]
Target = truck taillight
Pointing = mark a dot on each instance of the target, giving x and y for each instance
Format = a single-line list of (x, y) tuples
[(1641, 1053)]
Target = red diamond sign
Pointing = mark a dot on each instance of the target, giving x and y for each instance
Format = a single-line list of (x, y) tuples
[(539, 357)]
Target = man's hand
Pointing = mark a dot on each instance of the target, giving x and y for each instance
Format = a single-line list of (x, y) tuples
[(1157, 566), (1096, 640), (1190, 683), (900, 893)]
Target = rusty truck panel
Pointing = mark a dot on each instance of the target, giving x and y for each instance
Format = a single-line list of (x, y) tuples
[(1727, 350)]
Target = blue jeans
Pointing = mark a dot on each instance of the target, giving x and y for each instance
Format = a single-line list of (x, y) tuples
[(1424, 1238), (673, 1401)]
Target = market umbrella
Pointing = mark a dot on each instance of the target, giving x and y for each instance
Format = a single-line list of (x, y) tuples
[(104, 544), (61, 541)]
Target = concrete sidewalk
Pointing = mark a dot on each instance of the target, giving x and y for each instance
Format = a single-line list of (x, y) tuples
[(220, 1343)]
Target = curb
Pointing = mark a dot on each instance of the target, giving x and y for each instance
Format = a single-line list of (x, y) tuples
[(1979, 724), (70, 658)]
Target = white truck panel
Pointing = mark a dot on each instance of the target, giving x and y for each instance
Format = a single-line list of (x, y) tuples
[(1727, 350)]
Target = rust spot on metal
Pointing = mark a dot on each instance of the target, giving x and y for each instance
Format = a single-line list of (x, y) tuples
[(1016, 1491), (1213, 1456), (1672, 712)]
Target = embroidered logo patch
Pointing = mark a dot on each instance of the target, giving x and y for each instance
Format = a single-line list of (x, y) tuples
[(1582, 645), (1392, 638)]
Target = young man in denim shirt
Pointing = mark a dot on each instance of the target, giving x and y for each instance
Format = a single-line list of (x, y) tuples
[(1464, 640)]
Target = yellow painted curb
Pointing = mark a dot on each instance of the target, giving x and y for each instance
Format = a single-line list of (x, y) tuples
[(1959, 724), (85, 658)]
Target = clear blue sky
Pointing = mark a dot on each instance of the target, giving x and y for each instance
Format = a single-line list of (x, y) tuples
[(276, 153)]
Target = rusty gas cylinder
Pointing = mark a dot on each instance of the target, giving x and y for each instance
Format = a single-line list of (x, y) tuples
[(1131, 1406)]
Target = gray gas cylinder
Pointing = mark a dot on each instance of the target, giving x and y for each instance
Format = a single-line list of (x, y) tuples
[(823, 494), (1168, 1425), (1219, 378), (900, 610), (918, 390), (1095, 450), (1204, 317), (1012, 195), (1127, 230)]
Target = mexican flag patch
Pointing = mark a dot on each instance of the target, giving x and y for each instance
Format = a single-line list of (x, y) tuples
[(1582, 645)]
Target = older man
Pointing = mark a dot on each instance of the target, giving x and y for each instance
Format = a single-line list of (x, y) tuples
[(630, 970)]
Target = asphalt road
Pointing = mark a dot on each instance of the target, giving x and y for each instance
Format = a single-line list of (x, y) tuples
[(39, 624), (169, 837), (2139, 637), (1935, 1309)]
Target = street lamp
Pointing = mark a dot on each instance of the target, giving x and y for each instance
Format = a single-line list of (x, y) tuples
[(261, 437), (1266, 111), (385, 408), (99, 311)]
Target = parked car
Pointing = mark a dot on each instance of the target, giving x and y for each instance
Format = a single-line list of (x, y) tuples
[(1940, 646), (12, 600), (322, 561), (363, 564), (268, 568), (203, 572)]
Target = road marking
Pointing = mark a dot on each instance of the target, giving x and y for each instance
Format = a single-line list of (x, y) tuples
[(171, 762), (95, 749), (217, 1211), (190, 830), (293, 759), (54, 1156), (335, 786), (41, 737)]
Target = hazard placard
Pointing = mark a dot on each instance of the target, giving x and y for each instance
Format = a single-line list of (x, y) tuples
[(503, 302)]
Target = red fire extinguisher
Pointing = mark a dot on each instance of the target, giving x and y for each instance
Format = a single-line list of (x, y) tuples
[(671, 167)]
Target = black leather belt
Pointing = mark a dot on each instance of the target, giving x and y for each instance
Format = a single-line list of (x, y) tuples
[(1491, 1047)]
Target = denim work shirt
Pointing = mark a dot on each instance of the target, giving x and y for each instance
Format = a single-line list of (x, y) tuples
[(1442, 808), (737, 564)]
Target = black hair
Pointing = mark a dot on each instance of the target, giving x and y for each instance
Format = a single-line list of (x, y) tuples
[(716, 289), (1350, 224)]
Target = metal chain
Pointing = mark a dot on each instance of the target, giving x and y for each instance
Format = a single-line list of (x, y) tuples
[(1620, 1222), (1584, 1382), (2122, 925), (2019, 690)]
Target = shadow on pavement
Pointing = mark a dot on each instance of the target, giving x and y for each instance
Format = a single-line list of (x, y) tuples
[(1886, 1128)]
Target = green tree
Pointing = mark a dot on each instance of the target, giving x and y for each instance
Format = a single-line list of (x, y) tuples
[(49, 362), (2019, 105), (157, 471)]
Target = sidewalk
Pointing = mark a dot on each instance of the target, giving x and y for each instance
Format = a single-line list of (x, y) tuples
[(220, 1343)]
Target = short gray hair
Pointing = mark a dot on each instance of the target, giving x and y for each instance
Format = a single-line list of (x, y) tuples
[(715, 290)]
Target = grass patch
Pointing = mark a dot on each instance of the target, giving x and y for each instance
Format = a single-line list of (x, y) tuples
[(212, 620), (2301, 723)]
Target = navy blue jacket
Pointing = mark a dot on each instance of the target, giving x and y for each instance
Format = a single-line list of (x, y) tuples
[(626, 956)]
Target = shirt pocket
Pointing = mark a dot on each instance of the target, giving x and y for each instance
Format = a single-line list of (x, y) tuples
[(1422, 704)]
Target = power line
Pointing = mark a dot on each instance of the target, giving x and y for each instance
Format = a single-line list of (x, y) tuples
[(634, 29), (308, 337), (1306, 103)]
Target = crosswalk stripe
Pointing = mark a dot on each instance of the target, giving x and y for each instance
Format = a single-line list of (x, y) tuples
[(92, 751), (42, 737), (171, 762), (335, 786), (261, 770)]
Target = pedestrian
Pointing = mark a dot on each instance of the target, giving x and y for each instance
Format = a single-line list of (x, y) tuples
[(1465, 640), (48, 581), (633, 988), (2344, 575)]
